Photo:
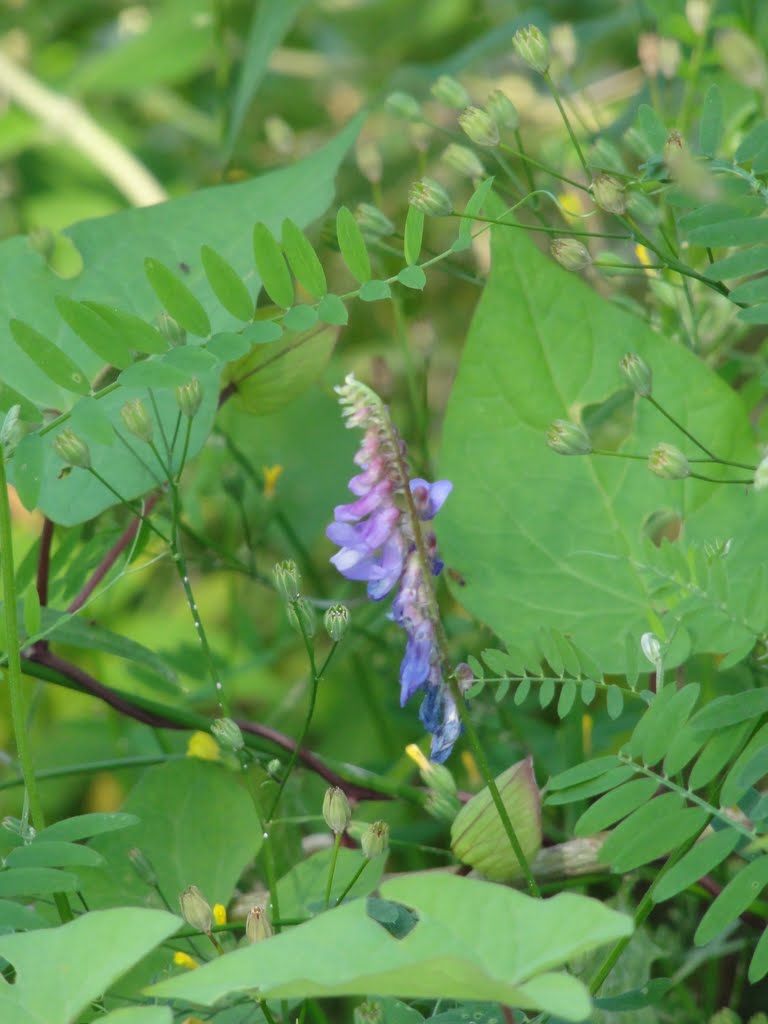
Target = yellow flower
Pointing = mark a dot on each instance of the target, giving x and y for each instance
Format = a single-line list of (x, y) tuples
[(571, 205), (204, 746), (470, 766), (586, 734), (416, 755), (643, 255), (219, 913), (185, 960), (271, 476)]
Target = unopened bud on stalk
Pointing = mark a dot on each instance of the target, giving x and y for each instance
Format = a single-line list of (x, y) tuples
[(375, 839), (675, 150), (336, 810), (450, 92), (369, 161), (372, 221), (637, 374), (430, 197), (651, 648), (287, 580), (609, 194), (302, 617), (279, 134), (502, 110), (761, 475), (72, 449), (442, 802), (11, 431), (464, 160), (697, 12), (741, 58), (570, 253), (170, 330), (568, 438), (532, 48), (137, 420), (189, 396), (257, 925), (336, 620), (404, 105), (368, 1013), (143, 867), (196, 910), (228, 734), (668, 462), (478, 836), (478, 125)]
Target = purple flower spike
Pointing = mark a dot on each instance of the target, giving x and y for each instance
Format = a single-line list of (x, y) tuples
[(381, 544)]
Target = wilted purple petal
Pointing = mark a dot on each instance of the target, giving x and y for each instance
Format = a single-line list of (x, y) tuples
[(414, 670)]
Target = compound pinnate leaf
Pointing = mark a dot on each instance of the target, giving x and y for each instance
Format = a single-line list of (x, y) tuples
[(736, 897), (227, 285), (272, 268), (176, 298), (94, 330), (135, 332), (703, 858), (562, 355), (615, 805), (303, 260), (352, 245), (54, 363)]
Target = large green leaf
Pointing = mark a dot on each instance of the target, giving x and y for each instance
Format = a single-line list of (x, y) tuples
[(197, 827), (547, 541), (473, 940), (113, 250), (59, 971)]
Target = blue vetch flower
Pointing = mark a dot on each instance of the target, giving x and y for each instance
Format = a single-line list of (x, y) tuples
[(377, 536)]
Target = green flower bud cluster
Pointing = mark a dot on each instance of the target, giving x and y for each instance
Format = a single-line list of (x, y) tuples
[(568, 438), (257, 925), (532, 48), (570, 253), (227, 733), (189, 396), (609, 194), (479, 126), (336, 810), (375, 840), (450, 92), (137, 420), (336, 620), (668, 462), (430, 197), (196, 910), (71, 449), (637, 374)]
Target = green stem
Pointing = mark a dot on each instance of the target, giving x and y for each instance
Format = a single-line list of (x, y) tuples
[(129, 505), (332, 868), (561, 232), (542, 167), (567, 122), (355, 877), (15, 691), (676, 423)]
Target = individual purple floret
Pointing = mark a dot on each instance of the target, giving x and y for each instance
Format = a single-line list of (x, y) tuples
[(382, 542)]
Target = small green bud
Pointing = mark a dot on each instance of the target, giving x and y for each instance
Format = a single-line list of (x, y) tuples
[(11, 431), (375, 839), (368, 1013), (257, 925), (442, 802), (758, 1018), (279, 135), (369, 162), (72, 449), (464, 160), (478, 837), (742, 58), (697, 13), (196, 910), (761, 475), (189, 396), (430, 197), (478, 125), (136, 419), (404, 105), (651, 648), (502, 110), (302, 617), (725, 1016), (275, 768), (173, 332), (143, 867), (609, 194), (450, 92), (227, 733), (336, 620), (287, 580), (532, 48), (570, 253), (336, 810), (668, 462), (637, 373), (568, 438), (372, 221)]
